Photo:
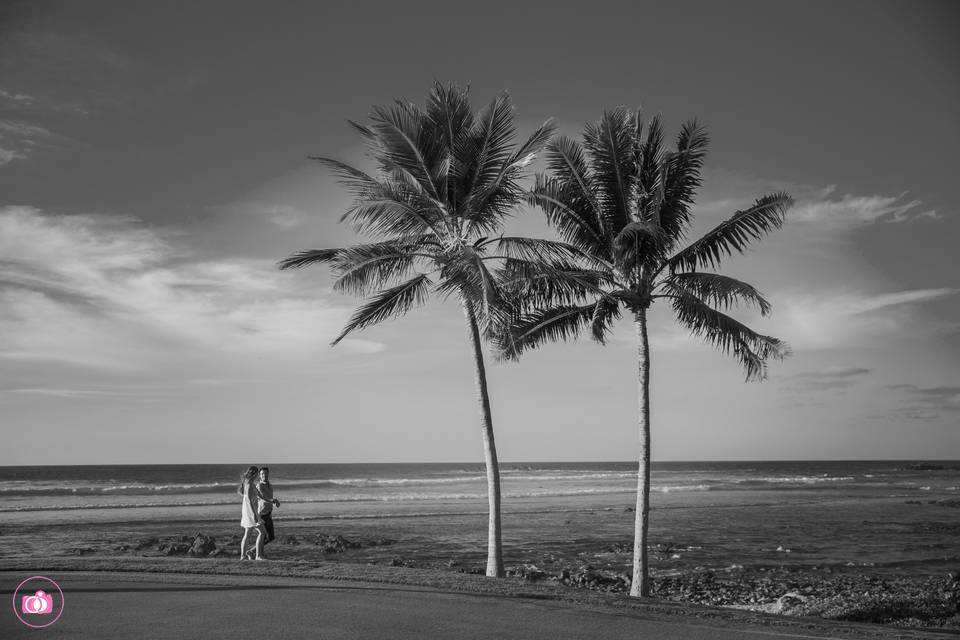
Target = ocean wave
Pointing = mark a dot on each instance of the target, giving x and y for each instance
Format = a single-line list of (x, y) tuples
[(142, 488), (683, 487), (793, 480), (326, 499)]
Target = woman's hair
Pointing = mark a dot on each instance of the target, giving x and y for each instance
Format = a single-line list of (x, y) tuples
[(246, 477)]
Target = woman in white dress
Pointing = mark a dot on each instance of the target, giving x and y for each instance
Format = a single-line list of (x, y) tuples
[(249, 515)]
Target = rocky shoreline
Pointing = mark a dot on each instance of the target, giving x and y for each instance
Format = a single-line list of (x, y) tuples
[(930, 602)]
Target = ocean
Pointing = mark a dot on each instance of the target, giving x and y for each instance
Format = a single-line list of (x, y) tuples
[(897, 517)]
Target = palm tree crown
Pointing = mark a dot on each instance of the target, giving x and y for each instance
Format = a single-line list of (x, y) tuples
[(447, 179), (621, 202)]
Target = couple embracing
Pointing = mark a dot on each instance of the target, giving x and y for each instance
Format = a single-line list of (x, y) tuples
[(256, 512)]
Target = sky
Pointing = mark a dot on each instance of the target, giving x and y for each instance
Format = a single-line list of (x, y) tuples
[(154, 168)]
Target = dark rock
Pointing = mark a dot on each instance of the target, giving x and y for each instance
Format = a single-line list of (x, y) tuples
[(382, 542), (335, 544), (528, 572), (287, 539), (177, 549), (401, 562), (143, 543), (203, 545), (80, 551), (219, 553)]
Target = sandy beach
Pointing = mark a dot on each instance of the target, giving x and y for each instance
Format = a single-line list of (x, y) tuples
[(160, 599), (867, 543)]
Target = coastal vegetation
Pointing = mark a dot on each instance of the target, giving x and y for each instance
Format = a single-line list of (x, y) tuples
[(621, 202)]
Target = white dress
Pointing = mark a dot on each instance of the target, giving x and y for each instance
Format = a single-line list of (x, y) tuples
[(248, 517)]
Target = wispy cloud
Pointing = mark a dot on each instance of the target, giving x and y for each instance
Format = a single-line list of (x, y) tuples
[(820, 207), (850, 318), (829, 378), (823, 207), (19, 139), (927, 403), (285, 216), (111, 293)]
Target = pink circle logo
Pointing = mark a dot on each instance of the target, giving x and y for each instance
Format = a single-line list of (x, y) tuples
[(38, 602)]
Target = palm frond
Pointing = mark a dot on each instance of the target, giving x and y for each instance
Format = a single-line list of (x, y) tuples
[(767, 214), (305, 258), (389, 303), (568, 166), (683, 179), (385, 207), (612, 146), (539, 249), (448, 108), (571, 215), (606, 311), (545, 283), (545, 325), (716, 289), (650, 168), (534, 144), (406, 144), (752, 349), (489, 145), (363, 268)]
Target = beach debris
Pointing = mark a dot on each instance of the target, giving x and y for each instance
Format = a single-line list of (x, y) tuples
[(203, 545), (529, 572), (143, 543), (335, 544), (176, 548)]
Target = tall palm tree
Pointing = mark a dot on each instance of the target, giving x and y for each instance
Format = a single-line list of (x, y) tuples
[(621, 202), (446, 180)]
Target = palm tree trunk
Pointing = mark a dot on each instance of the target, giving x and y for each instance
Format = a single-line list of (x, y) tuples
[(494, 539), (640, 585)]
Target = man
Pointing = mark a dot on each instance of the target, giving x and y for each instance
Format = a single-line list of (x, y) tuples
[(266, 502)]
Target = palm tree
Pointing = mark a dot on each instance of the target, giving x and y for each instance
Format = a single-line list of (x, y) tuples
[(621, 203), (447, 179)]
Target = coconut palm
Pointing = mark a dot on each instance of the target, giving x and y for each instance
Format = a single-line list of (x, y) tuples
[(621, 202), (446, 180)]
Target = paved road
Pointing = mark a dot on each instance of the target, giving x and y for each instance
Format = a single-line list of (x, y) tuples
[(116, 606)]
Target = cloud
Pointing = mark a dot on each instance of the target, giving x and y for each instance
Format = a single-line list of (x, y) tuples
[(833, 373), (284, 216), (829, 378), (19, 139), (9, 155), (927, 403), (849, 210), (815, 206), (12, 100), (109, 293), (849, 318)]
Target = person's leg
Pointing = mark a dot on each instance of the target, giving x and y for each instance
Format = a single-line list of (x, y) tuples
[(268, 525), (243, 543), (259, 545)]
